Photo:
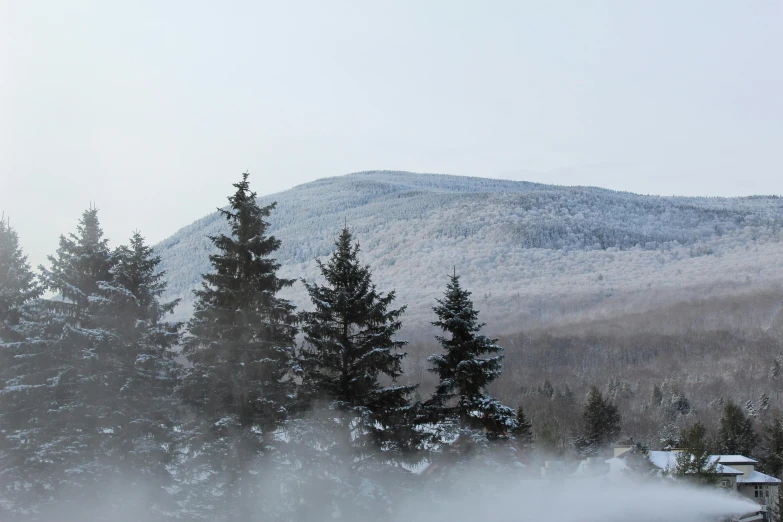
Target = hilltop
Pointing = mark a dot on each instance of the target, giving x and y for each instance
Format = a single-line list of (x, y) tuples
[(532, 253)]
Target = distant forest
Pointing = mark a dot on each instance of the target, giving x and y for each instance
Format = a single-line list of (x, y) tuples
[(534, 255), (254, 407)]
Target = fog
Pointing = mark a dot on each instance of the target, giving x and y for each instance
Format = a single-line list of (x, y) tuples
[(311, 477), (584, 501), (501, 499)]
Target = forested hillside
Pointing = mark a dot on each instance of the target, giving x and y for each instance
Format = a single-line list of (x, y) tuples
[(534, 254), (263, 406)]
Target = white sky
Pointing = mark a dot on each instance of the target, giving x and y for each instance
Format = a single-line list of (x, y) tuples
[(151, 109)]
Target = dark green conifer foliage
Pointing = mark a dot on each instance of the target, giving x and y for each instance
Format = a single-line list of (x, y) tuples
[(523, 432), (736, 435), (363, 423), (17, 288), (693, 461), (17, 281), (82, 262), (772, 448), (48, 404), (136, 406), (467, 367), (349, 346), (601, 423), (241, 345), (771, 458)]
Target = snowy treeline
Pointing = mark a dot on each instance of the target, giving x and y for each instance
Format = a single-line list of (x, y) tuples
[(252, 426), (539, 254), (264, 407)]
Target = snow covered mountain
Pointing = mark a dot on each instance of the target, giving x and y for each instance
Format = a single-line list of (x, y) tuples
[(531, 253)]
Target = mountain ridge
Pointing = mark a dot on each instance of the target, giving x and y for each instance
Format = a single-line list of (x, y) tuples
[(521, 245)]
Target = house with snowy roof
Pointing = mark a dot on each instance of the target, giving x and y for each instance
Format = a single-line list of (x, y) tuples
[(736, 473)]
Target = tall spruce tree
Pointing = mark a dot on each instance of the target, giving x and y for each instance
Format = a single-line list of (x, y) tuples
[(601, 424), (349, 347), (17, 282), (736, 435), (771, 460), (17, 287), (772, 448), (240, 345), (52, 434), (136, 409), (350, 363), (523, 432), (82, 262), (470, 363)]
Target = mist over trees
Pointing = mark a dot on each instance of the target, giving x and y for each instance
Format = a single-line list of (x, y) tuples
[(254, 408), (694, 461), (350, 363), (240, 346), (87, 387)]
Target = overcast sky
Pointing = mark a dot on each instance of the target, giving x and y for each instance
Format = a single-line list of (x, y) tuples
[(151, 109)]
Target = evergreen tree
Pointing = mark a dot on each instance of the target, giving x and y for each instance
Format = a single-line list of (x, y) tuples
[(240, 344), (523, 432), (601, 423), (694, 461), (657, 396), (736, 435), (48, 415), (136, 406), (17, 288), (470, 363), (772, 448), (349, 347), (548, 440), (639, 466), (364, 425), (771, 459), (83, 261), (17, 281)]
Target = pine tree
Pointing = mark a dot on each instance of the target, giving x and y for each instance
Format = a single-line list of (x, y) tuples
[(523, 432), (464, 370), (137, 408), (240, 344), (17, 281), (48, 415), (365, 426), (83, 261), (17, 287), (601, 423), (657, 396), (771, 459), (772, 448), (548, 440), (349, 347), (736, 435), (694, 461), (637, 461)]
